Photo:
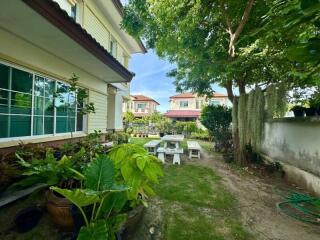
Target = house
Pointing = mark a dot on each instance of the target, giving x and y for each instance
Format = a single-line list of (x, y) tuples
[(45, 42), (187, 106), (140, 106)]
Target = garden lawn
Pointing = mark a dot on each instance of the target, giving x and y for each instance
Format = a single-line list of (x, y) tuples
[(196, 206)]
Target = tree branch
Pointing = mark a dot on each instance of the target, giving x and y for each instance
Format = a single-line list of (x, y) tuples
[(226, 17), (244, 19)]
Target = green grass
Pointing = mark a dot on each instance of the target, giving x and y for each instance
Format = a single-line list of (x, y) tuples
[(194, 203), (196, 206)]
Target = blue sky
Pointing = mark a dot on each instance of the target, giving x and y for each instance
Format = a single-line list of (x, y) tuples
[(151, 79)]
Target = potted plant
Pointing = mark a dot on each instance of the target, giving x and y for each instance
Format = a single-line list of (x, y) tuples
[(298, 111), (137, 169), (52, 172), (102, 195)]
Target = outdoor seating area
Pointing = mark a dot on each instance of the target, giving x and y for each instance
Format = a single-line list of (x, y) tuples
[(171, 145)]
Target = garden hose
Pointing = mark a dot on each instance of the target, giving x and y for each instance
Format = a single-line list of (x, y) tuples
[(300, 206)]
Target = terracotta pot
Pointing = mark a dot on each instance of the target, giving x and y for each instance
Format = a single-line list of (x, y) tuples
[(59, 209)]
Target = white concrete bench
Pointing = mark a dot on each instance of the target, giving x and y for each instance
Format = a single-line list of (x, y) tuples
[(194, 149), (152, 146), (176, 152), (161, 154)]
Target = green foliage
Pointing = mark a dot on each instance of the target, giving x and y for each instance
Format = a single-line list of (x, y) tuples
[(185, 128), (99, 182), (201, 135), (128, 117), (47, 170), (95, 230), (81, 96), (118, 137), (217, 119), (138, 169), (276, 101)]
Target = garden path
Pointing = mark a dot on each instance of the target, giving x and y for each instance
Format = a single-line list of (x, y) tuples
[(257, 202)]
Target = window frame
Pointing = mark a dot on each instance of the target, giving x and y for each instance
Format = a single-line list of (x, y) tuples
[(32, 115), (183, 101)]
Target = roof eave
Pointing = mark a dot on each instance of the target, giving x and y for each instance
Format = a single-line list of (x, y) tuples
[(60, 19)]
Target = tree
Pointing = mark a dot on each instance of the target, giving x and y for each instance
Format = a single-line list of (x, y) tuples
[(217, 119), (216, 41)]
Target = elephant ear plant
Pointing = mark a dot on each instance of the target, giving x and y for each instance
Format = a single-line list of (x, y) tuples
[(102, 196), (138, 170)]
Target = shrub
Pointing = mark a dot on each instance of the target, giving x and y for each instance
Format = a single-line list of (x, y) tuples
[(217, 119), (201, 135)]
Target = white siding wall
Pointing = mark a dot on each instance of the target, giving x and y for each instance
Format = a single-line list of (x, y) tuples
[(96, 28), (98, 120)]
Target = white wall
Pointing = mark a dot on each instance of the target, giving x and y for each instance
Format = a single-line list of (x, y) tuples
[(294, 141)]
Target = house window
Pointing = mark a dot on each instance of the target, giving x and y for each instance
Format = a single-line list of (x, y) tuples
[(74, 11), (184, 104), (113, 47), (29, 105), (142, 106)]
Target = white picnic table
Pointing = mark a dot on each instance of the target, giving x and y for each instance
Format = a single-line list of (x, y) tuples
[(152, 146), (171, 147)]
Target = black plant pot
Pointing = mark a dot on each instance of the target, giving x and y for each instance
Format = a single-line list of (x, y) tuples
[(26, 219), (298, 112), (161, 134), (310, 112)]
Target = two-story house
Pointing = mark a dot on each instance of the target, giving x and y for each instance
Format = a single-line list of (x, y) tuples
[(45, 42), (140, 106), (187, 106)]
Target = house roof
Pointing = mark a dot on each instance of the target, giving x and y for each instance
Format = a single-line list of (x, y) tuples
[(143, 98), (184, 95), (193, 95), (182, 113), (51, 11)]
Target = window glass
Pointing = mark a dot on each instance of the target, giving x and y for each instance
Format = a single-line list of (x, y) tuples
[(21, 103), (48, 125), (21, 81), (142, 105), (52, 103), (4, 76), (4, 126), (49, 88), (183, 103), (4, 101), (37, 125), (20, 126)]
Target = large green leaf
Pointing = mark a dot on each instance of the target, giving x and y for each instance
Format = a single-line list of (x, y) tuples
[(95, 231), (99, 175), (113, 202), (79, 197)]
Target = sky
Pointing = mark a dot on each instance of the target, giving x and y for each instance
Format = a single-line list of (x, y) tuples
[(151, 79)]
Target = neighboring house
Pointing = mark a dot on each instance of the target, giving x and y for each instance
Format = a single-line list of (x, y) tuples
[(187, 106), (43, 42), (140, 106)]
